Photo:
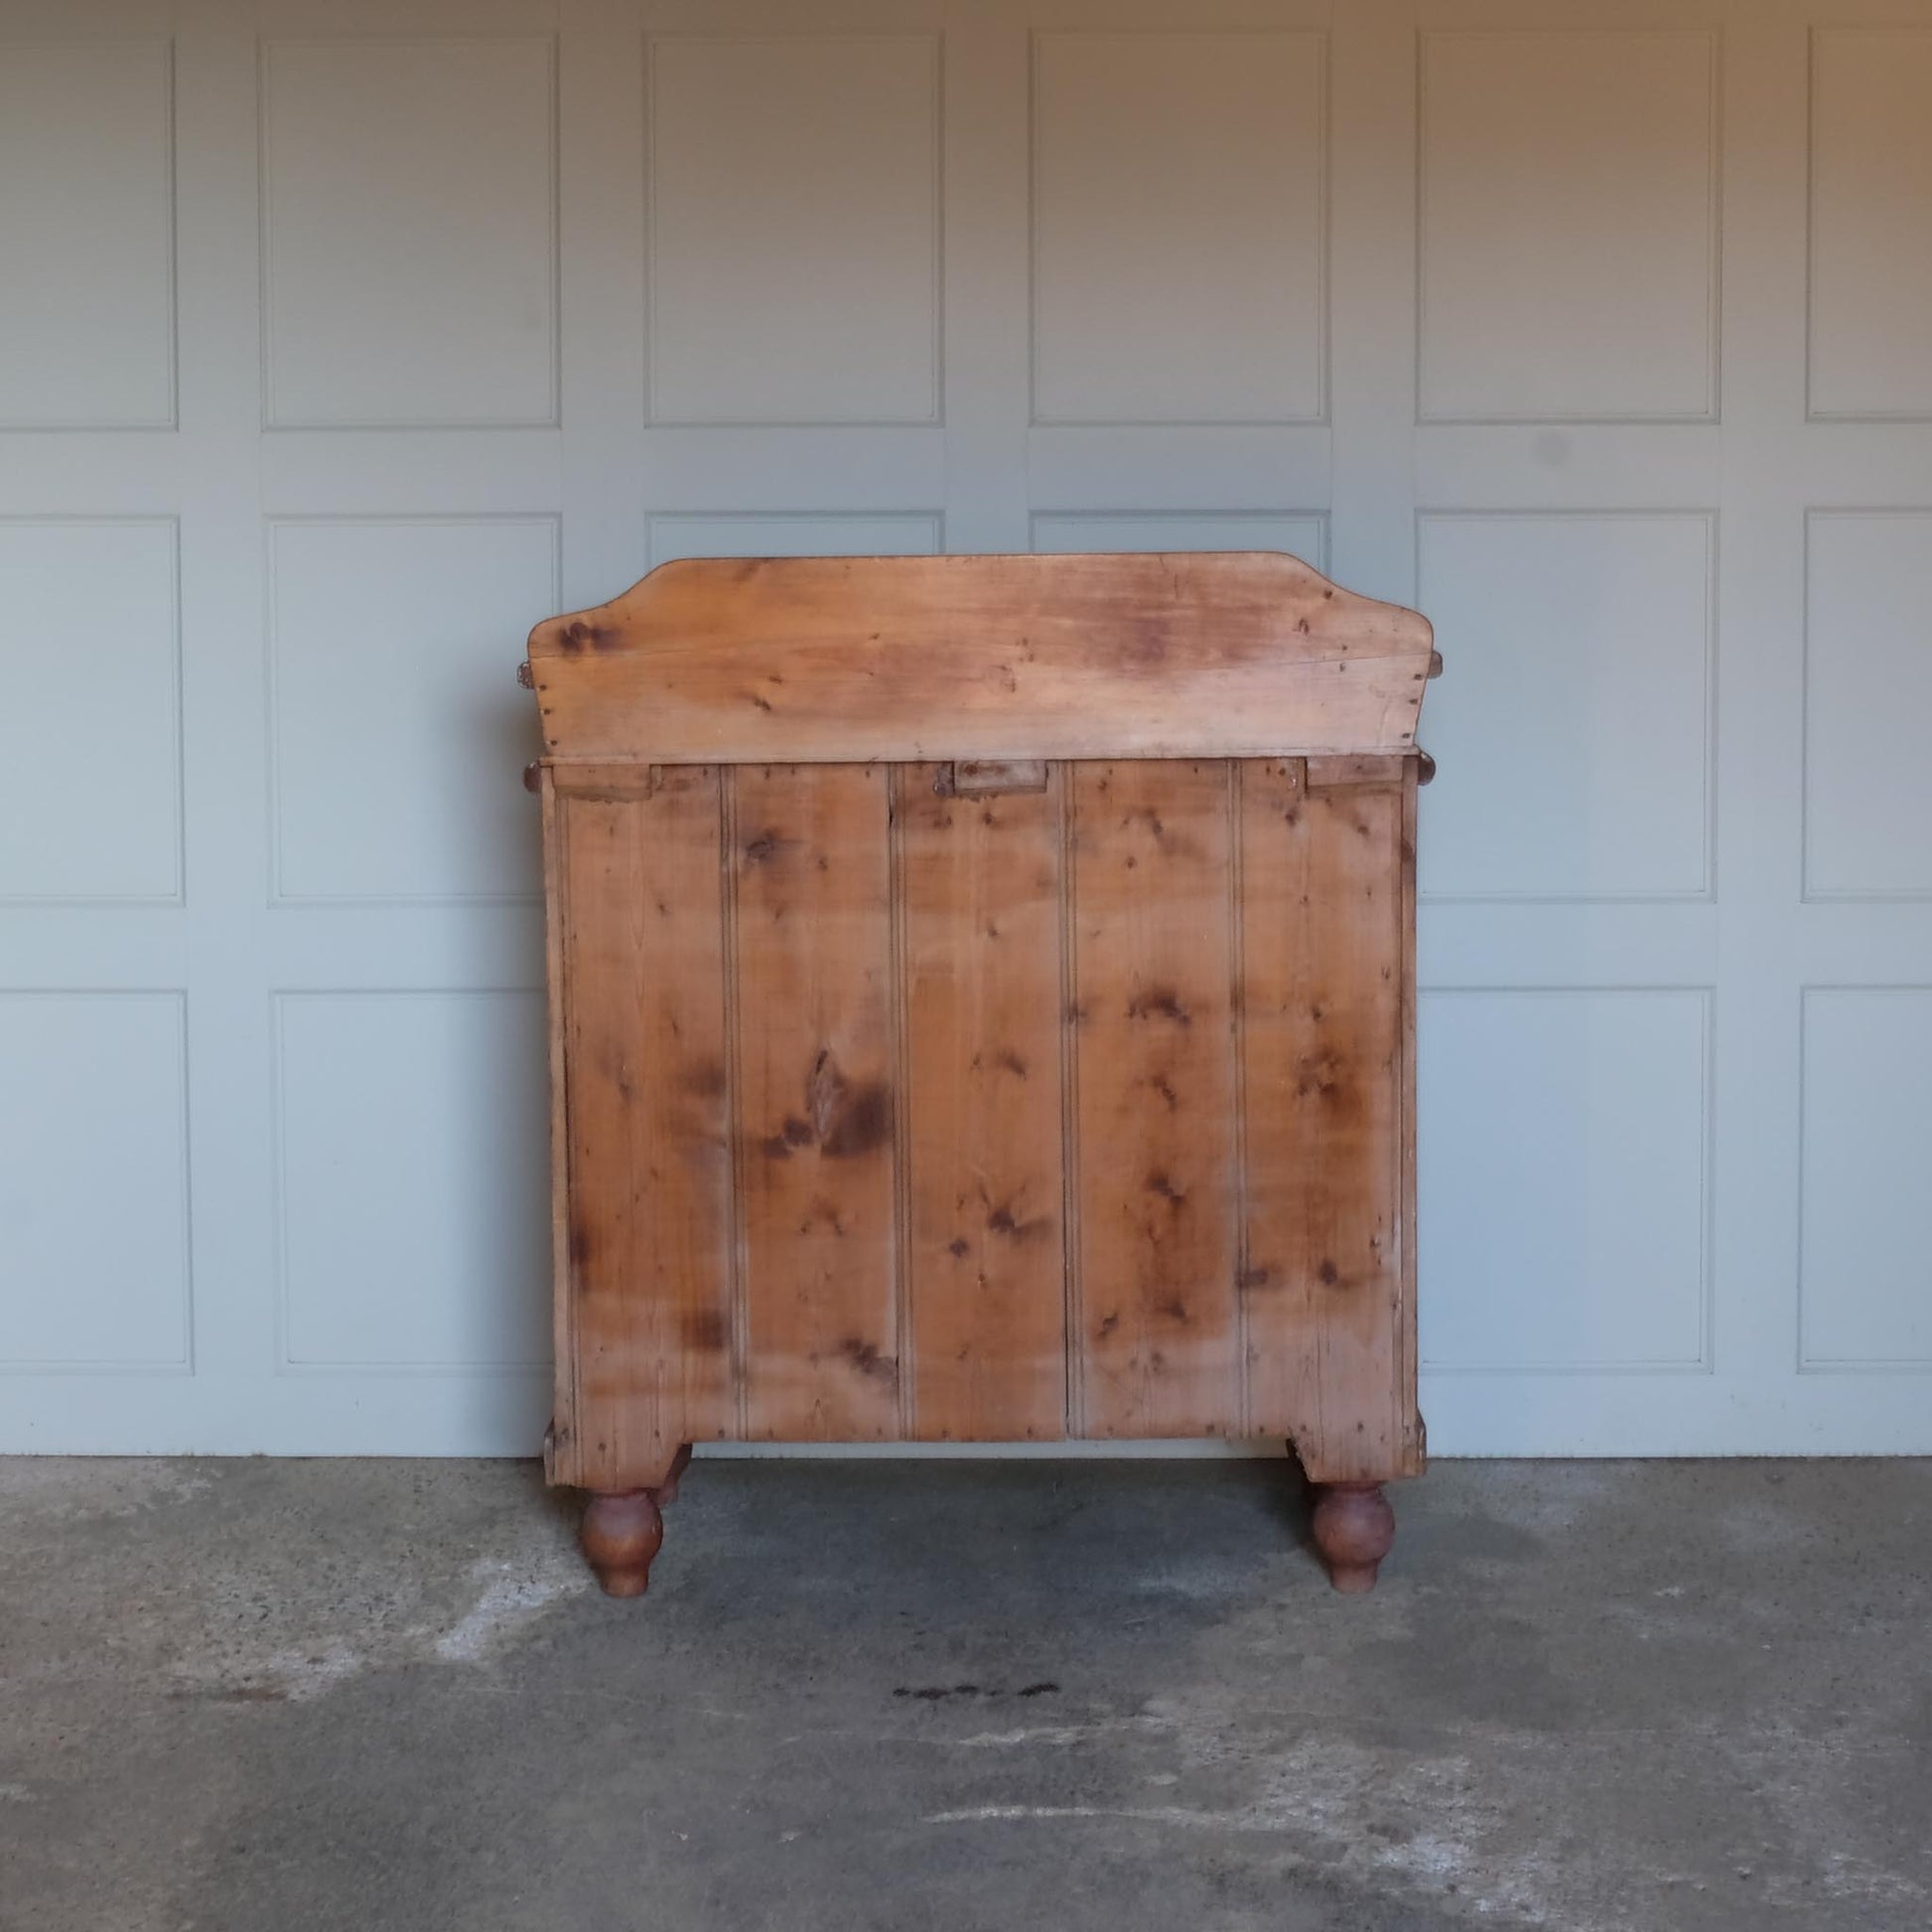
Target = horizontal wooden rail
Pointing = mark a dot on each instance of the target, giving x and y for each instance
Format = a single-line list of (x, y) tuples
[(1003, 658)]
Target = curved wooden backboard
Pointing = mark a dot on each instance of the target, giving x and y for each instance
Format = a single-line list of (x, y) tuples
[(852, 659)]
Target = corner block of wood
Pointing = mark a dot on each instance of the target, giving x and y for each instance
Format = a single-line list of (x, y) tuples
[(666, 1491)]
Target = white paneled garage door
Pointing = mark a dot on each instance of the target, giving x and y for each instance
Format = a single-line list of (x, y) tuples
[(340, 339)]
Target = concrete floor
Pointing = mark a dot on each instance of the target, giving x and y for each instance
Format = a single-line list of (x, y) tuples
[(259, 1696)]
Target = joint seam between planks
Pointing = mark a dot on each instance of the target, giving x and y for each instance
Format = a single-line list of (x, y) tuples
[(1076, 1336), (1406, 1396), (564, 1315), (1238, 1046), (904, 1352), (741, 1340)]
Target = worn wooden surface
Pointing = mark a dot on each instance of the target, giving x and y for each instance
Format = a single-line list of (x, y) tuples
[(1327, 1011), (985, 1097), (1083, 1106), (980, 889), (644, 1282), (812, 1000), (851, 660), (1154, 1111)]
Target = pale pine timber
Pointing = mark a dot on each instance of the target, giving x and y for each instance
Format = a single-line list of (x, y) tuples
[(1328, 1024), (980, 880), (1154, 1085), (815, 1052), (645, 1224), (971, 1072), (849, 659)]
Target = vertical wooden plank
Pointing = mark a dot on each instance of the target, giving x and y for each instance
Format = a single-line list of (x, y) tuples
[(647, 1141), (812, 873), (1154, 1098), (1326, 1016), (1409, 1421), (980, 881), (561, 1439)]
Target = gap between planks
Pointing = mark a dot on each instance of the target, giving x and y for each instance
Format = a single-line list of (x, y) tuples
[(904, 1351), (735, 1258)]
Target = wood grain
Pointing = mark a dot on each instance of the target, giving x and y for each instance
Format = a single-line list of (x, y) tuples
[(1153, 1099), (1410, 1427), (644, 1275), (1330, 1199), (829, 658), (811, 876), (560, 1439), (975, 1070), (980, 881)]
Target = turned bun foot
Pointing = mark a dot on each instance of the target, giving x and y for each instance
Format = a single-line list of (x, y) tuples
[(620, 1534), (1353, 1528), (666, 1491)]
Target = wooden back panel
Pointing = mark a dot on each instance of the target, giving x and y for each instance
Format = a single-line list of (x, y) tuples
[(890, 1111), (837, 659)]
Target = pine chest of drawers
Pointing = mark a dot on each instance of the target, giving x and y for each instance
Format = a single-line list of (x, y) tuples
[(982, 1001)]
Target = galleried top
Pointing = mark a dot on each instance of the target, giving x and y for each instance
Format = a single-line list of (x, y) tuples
[(852, 659)]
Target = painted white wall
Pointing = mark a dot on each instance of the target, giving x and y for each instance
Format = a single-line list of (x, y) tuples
[(341, 339)]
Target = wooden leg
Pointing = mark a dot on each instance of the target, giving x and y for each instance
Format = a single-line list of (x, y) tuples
[(1353, 1528), (666, 1491), (620, 1534)]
